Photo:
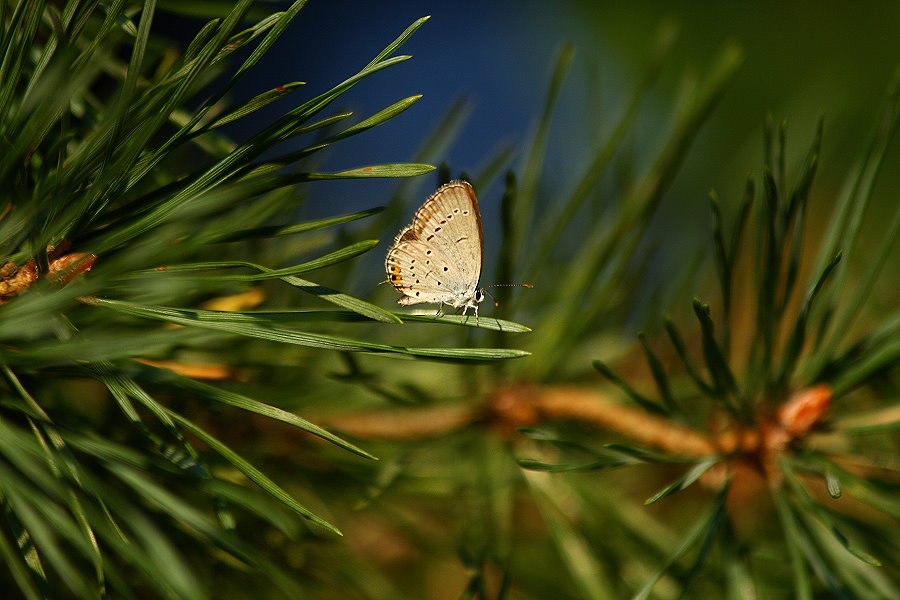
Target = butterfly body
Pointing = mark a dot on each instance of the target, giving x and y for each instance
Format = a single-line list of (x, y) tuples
[(437, 259)]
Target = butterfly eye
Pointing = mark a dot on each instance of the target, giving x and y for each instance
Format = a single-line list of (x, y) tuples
[(479, 295)]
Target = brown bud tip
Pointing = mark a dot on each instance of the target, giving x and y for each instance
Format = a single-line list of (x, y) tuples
[(805, 409), (66, 267)]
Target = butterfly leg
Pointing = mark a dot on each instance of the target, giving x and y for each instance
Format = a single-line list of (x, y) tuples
[(465, 310)]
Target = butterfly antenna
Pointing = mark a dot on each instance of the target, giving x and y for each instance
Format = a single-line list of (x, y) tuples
[(492, 296)]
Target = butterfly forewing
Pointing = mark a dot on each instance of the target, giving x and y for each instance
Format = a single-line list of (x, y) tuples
[(438, 258), (450, 222)]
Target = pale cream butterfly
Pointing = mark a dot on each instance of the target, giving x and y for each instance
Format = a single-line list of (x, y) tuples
[(438, 258)]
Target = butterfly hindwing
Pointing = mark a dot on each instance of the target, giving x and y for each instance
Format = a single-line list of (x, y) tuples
[(412, 268), (450, 222)]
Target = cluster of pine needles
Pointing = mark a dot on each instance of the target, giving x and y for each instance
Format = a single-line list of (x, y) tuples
[(150, 437)]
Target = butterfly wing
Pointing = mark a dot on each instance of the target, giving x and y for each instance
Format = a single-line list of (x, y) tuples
[(438, 258), (450, 223), (412, 267)]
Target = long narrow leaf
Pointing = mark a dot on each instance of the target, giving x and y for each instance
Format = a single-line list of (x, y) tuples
[(686, 480), (255, 103), (701, 529), (216, 321), (279, 230), (260, 408), (254, 474), (323, 261)]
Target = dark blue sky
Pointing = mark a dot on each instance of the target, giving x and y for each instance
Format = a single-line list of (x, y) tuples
[(491, 53), (801, 60)]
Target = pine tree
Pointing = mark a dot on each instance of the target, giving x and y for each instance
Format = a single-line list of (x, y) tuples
[(156, 364)]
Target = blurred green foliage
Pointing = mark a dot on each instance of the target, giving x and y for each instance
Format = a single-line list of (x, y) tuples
[(192, 418)]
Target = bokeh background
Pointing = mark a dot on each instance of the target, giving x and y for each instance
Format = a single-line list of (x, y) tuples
[(182, 386), (801, 60)]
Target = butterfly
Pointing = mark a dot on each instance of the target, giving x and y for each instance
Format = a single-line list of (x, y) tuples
[(438, 258)]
